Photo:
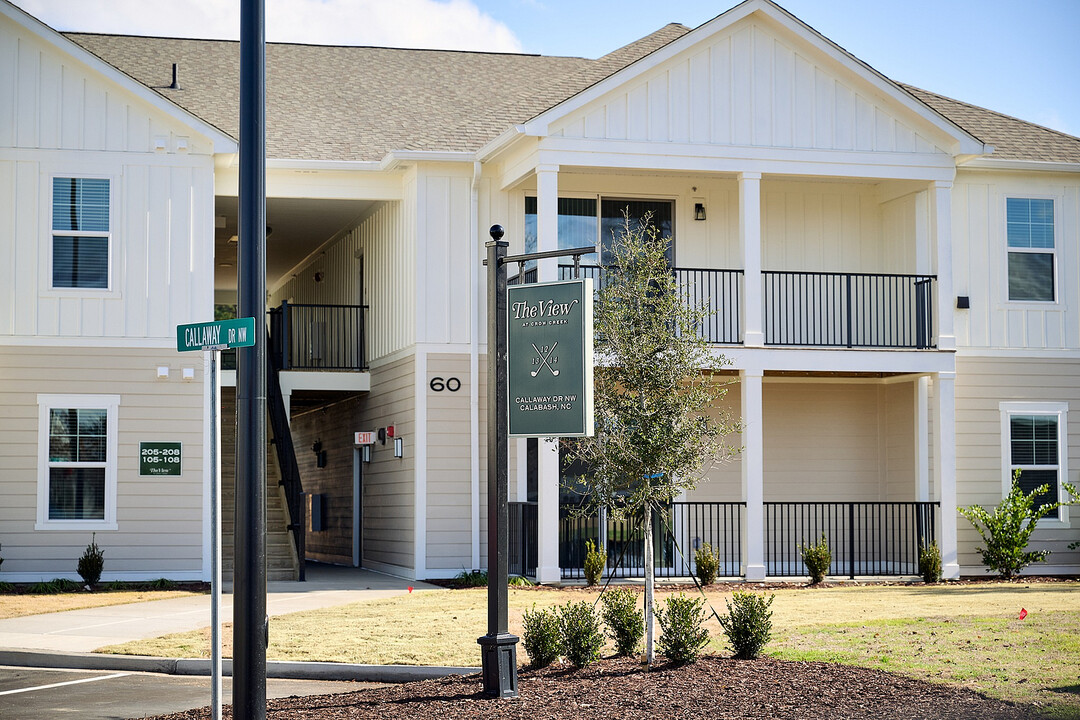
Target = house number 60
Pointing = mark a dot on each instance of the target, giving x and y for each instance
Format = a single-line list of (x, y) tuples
[(452, 384)]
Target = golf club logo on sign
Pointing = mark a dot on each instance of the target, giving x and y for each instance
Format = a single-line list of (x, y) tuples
[(549, 359)]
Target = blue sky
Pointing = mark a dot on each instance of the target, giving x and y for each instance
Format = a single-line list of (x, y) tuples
[(1018, 57)]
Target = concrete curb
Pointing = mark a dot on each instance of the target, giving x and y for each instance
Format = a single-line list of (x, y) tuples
[(274, 669)]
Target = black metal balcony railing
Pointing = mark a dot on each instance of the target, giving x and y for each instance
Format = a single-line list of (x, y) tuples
[(678, 530), (318, 337), (720, 291), (848, 309), (865, 538)]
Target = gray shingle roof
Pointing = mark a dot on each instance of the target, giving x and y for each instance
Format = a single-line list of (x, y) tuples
[(359, 103)]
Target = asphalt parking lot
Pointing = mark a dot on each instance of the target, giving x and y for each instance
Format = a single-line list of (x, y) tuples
[(37, 694)]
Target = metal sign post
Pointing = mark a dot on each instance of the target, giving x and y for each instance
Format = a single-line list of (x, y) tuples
[(188, 338), (498, 649)]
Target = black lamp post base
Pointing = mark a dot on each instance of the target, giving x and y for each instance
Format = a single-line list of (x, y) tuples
[(498, 655)]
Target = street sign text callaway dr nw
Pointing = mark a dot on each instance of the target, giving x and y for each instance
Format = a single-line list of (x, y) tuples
[(550, 359), (217, 335)]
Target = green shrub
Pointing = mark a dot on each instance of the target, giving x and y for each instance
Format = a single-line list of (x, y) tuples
[(580, 629), (817, 559), (161, 584), (1006, 531), (117, 586), (542, 636), (707, 562), (748, 624), (471, 578), (63, 585), (54, 587), (595, 562), (92, 562), (682, 636), (930, 563), (1, 559), (7, 588), (626, 624)]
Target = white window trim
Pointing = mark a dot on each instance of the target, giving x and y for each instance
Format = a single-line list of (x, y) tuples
[(111, 403), (1061, 411), (1037, 304), (47, 211)]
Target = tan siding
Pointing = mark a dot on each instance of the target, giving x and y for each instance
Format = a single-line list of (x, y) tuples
[(898, 441), (449, 476), (981, 384), (160, 520)]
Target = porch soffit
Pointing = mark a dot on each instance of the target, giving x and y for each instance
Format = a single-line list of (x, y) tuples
[(756, 76)]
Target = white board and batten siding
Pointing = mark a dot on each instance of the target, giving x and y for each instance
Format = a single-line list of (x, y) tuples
[(981, 263), (64, 118), (752, 84)]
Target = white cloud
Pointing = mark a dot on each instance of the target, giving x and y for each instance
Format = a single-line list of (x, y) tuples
[(446, 24)]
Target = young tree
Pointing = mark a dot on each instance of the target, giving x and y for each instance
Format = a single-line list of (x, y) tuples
[(658, 430)]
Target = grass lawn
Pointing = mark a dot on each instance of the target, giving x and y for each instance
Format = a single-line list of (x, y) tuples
[(966, 634), (20, 605)]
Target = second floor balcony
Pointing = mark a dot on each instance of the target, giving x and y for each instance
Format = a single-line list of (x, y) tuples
[(807, 309)]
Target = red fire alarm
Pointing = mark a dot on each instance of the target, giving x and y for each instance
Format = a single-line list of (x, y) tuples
[(389, 431)]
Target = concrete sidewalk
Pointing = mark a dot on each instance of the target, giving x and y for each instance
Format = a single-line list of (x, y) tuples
[(82, 631)]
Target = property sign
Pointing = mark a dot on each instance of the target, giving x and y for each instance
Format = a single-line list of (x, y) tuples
[(550, 359), (160, 458), (217, 335)]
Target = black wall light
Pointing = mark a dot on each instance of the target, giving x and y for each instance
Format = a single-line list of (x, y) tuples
[(963, 302), (320, 454), (699, 211)]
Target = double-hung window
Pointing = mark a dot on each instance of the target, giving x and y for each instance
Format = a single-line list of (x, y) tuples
[(80, 233), (1034, 438), (1030, 233), (77, 449)]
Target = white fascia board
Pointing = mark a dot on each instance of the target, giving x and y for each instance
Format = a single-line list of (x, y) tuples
[(961, 142), (223, 143), (337, 165), (491, 149), (685, 157), (992, 163), (837, 360), (396, 158), (293, 380)]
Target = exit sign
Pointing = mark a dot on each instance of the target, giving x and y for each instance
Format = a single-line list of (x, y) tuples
[(217, 335), (364, 438)]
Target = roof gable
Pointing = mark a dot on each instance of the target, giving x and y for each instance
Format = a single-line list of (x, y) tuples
[(78, 101), (756, 76)]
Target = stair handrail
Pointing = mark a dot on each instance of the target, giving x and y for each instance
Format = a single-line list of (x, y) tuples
[(286, 457)]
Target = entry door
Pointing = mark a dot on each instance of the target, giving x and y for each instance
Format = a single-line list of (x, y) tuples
[(357, 507)]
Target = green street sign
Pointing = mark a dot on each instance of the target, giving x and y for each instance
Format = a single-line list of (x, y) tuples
[(217, 335), (550, 359), (160, 458)]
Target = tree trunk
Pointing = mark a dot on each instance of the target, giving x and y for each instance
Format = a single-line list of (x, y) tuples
[(650, 622)]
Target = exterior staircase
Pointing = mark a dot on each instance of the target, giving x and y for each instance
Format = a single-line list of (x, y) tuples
[(281, 560)]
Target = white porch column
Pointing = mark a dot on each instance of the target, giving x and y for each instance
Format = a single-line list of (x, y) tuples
[(547, 219), (547, 485), (945, 468), (750, 240), (753, 472), (922, 439), (941, 233)]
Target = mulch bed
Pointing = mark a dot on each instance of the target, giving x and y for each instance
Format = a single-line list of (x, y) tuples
[(713, 687)]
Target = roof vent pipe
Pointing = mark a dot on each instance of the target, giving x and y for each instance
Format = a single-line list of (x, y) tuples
[(175, 85)]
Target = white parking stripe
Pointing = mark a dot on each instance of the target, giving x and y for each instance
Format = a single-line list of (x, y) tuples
[(61, 684)]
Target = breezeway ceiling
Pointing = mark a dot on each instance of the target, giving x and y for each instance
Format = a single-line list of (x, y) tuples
[(298, 227)]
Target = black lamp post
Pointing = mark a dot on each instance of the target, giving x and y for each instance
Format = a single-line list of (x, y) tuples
[(498, 649)]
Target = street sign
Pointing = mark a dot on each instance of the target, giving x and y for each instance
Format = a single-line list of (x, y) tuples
[(217, 335), (160, 458), (550, 359)]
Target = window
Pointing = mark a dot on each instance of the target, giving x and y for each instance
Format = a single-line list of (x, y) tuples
[(1034, 437), (580, 224), (80, 233), (1030, 232), (77, 450)]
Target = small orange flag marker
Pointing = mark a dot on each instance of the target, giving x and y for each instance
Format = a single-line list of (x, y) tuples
[(1023, 613)]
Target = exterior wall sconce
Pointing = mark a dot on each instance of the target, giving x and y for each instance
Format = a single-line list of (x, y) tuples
[(963, 302), (365, 453), (399, 447), (699, 211), (320, 454)]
